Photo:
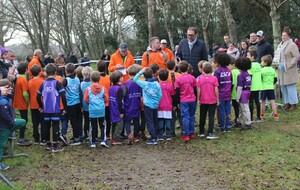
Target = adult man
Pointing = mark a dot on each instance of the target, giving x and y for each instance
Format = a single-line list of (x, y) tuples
[(121, 60), (263, 47), (36, 60), (48, 58), (253, 39), (85, 59), (154, 54), (59, 62), (225, 45), (168, 52), (192, 50)]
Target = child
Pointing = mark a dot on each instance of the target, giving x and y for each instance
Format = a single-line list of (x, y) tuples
[(33, 87), (155, 69), (72, 85), (95, 97), (63, 115), (243, 92), (21, 100), (200, 68), (225, 81), (86, 72), (235, 72), (186, 90), (132, 104), (171, 66), (256, 84), (165, 105), (151, 96), (48, 98), (116, 106), (79, 73), (269, 78), (208, 99), (8, 123), (105, 82)]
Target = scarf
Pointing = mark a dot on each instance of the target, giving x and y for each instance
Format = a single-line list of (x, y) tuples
[(191, 44), (279, 58)]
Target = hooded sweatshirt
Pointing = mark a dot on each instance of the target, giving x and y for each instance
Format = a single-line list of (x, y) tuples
[(150, 57), (95, 98)]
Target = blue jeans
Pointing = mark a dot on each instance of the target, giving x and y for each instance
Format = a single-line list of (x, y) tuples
[(162, 123), (152, 121), (289, 94), (224, 114), (136, 125), (188, 110)]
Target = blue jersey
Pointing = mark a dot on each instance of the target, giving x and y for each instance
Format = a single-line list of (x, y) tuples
[(83, 86), (73, 91), (96, 104)]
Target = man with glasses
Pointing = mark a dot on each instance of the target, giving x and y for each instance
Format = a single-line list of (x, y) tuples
[(121, 60), (168, 52), (192, 50), (253, 39)]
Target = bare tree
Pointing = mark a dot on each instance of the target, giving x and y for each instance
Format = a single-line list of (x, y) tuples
[(230, 20), (151, 17)]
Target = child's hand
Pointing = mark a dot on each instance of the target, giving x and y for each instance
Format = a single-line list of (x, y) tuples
[(121, 115), (41, 110), (64, 112), (144, 69)]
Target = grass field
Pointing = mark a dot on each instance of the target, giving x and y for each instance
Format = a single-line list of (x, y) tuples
[(266, 157)]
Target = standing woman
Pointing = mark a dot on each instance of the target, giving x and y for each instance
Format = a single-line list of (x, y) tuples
[(286, 56), (244, 48)]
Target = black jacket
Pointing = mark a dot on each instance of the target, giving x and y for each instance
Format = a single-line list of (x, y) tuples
[(264, 48), (7, 119)]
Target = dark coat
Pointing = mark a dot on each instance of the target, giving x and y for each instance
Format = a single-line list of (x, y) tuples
[(6, 114), (198, 53), (264, 48)]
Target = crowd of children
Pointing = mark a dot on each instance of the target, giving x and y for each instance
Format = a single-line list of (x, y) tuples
[(93, 100)]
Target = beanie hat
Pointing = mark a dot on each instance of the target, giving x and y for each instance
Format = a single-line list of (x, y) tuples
[(3, 50)]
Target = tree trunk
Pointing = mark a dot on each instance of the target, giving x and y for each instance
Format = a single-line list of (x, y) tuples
[(230, 21), (119, 24), (151, 18)]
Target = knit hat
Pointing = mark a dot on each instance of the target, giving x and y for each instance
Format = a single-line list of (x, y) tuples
[(3, 50)]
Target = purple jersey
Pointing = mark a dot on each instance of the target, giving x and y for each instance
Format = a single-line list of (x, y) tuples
[(113, 104), (132, 99), (244, 80), (225, 81), (51, 98)]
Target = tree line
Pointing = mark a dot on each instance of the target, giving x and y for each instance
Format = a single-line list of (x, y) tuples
[(94, 25)]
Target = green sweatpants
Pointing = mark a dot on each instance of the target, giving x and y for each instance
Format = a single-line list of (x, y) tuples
[(4, 134)]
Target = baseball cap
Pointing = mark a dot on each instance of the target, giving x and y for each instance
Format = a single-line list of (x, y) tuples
[(163, 41), (123, 46), (260, 33)]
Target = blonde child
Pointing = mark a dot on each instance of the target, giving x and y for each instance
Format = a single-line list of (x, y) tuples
[(269, 78)]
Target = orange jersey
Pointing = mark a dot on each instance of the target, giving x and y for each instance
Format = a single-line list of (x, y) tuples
[(151, 57), (20, 87), (33, 87), (169, 54), (105, 81), (60, 79), (34, 61)]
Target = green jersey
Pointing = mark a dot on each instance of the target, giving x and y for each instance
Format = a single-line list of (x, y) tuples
[(234, 73), (255, 72), (268, 74)]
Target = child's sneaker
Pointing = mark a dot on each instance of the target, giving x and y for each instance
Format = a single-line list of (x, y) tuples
[(57, 149), (113, 142), (192, 136), (64, 140), (228, 130), (104, 144), (160, 139), (168, 139), (143, 136), (151, 142), (211, 136), (3, 166), (246, 127), (93, 145), (24, 142), (43, 142), (75, 142), (276, 117), (87, 140), (136, 139), (201, 135), (185, 138)]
